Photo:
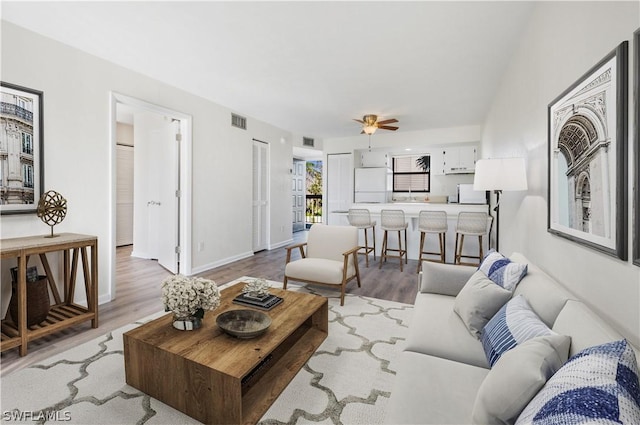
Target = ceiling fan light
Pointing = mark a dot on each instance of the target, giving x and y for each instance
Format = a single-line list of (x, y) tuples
[(369, 129)]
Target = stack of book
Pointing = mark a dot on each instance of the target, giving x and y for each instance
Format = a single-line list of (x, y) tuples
[(266, 302)]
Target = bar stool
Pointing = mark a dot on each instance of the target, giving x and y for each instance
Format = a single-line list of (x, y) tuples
[(393, 220), (470, 224), (432, 222), (361, 218)]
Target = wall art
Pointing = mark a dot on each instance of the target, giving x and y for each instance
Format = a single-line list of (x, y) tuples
[(636, 147), (21, 149), (587, 167)]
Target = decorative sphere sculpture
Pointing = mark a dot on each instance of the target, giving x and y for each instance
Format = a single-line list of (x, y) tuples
[(52, 209)]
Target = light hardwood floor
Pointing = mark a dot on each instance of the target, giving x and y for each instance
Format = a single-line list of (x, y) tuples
[(138, 295)]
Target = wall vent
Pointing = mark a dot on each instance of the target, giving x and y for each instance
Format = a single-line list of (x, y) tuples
[(307, 141), (238, 121)]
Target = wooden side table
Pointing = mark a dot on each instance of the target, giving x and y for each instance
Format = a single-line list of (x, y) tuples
[(64, 312)]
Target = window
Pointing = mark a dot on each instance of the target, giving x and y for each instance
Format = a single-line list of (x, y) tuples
[(27, 144), (27, 175), (411, 173)]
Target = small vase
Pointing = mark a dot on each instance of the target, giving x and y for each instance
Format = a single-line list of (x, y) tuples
[(187, 323)]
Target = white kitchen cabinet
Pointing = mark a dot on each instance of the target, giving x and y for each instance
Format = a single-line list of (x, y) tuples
[(339, 183), (459, 159), (369, 159)]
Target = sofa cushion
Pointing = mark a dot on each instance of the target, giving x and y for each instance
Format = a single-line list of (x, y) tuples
[(318, 270), (597, 385), (584, 326), (478, 301), (432, 390), (502, 270), (545, 296), (514, 324), (516, 378), (437, 330)]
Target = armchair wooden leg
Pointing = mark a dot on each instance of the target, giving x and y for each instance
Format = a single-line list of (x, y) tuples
[(355, 262), (284, 283), (342, 293)]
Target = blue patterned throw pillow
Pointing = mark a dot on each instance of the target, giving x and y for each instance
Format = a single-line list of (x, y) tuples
[(597, 385), (513, 324), (501, 270)]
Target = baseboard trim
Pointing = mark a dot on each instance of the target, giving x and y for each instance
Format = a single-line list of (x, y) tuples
[(207, 267), (280, 244)]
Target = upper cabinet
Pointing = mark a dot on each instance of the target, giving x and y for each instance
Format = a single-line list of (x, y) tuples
[(459, 159), (370, 159)]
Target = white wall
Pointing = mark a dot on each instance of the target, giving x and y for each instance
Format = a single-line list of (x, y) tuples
[(564, 40), (78, 152)]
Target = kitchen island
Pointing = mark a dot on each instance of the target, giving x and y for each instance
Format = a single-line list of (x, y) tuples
[(411, 212)]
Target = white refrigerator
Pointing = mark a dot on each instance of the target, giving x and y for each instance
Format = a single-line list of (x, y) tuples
[(372, 185)]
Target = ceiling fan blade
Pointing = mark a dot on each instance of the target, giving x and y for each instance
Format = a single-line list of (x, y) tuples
[(360, 121), (388, 127), (389, 121)]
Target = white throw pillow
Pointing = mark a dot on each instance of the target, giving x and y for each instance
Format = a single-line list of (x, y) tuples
[(478, 301), (517, 377)]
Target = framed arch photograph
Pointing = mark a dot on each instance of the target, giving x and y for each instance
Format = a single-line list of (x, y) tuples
[(587, 167), (636, 144)]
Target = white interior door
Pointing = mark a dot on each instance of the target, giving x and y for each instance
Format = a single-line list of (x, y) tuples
[(155, 189), (260, 195), (124, 195)]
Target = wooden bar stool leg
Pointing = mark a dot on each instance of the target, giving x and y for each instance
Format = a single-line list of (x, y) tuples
[(481, 250), (421, 248), (383, 249), (400, 248), (406, 257), (373, 232), (366, 246), (441, 239)]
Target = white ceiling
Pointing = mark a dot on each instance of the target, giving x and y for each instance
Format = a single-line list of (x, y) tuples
[(307, 67)]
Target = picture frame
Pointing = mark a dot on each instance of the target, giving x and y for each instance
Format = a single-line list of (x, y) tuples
[(636, 144), (22, 138), (587, 158)]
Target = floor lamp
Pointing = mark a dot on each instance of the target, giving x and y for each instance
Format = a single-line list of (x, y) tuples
[(500, 174)]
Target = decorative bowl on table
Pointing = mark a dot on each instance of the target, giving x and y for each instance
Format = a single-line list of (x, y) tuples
[(243, 323)]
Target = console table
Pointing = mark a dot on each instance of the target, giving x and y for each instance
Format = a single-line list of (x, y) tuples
[(64, 312)]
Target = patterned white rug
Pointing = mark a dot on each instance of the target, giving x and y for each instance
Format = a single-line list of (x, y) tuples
[(348, 380)]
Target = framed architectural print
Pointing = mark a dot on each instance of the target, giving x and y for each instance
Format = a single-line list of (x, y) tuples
[(636, 148), (587, 167), (21, 149)]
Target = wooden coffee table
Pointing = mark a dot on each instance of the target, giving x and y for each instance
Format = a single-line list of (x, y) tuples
[(219, 379)]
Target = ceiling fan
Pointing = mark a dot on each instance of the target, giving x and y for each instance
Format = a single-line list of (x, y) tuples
[(370, 124)]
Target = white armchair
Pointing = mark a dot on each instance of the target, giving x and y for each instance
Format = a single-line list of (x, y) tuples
[(331, 258)]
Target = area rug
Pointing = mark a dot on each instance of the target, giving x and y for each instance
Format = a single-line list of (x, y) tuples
[(348, 380)]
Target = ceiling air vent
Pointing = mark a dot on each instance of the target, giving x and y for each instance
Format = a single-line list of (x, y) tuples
[(307, 141), (238, 121)]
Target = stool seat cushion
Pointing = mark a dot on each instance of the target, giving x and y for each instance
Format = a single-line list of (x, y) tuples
[(395, 227), (317, 270), (365, 226)]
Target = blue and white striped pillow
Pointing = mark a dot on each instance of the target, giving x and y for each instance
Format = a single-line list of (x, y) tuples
[(501, 270), (513, 324), (597, 385)]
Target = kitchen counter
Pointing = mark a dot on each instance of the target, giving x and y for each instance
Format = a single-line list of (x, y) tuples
[(412, 211)]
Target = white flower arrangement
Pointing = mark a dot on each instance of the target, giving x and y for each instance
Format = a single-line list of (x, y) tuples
[(256, 288), (186, 296)]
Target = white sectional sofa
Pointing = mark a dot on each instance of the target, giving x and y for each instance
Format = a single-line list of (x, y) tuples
[(443, 365)]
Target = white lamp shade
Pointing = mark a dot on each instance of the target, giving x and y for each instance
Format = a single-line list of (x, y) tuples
[(500, 174)]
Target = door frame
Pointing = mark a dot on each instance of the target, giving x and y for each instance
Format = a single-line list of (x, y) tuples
[(185, 225)]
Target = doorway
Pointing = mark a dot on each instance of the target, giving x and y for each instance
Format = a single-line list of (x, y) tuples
[(260, 195), (298, 187), (161, 189)]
